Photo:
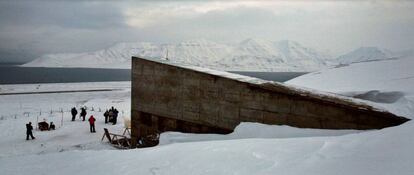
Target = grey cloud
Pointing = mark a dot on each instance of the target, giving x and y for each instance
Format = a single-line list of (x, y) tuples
[(61, 13), (31, 28)]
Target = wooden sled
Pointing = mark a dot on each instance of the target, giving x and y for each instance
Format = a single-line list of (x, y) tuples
[(43, 126), (119, 141)]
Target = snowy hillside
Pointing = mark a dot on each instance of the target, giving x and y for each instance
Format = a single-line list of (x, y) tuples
[(257, 55), (364, 54), (250, 54), (118, 56), (388, 83)]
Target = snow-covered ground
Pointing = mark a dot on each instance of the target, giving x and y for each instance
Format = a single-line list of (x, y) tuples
[(46, 87), (17, 110), (251, 149)]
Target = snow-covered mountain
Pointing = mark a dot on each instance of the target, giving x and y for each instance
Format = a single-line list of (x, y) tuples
[(250, 54), (364, 54), (247, 55), (117, 56), (253, 54)]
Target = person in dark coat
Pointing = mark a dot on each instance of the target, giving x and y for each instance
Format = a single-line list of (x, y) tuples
[(29, 129), (110, 116), (115, 116), (92, 123), (83, 113), (52, 126), (106, 115), (74, 112)]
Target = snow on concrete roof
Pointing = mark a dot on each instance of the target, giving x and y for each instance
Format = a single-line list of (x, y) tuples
[(238, 77), (276, 86)]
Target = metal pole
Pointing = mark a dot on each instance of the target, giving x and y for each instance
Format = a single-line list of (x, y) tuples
[(61, 121), (37, 121)]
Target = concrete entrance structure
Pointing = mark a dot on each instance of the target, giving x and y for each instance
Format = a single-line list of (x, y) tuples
[(174, 97)]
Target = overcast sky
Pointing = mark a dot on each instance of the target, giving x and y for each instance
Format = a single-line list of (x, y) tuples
[(29, 29)]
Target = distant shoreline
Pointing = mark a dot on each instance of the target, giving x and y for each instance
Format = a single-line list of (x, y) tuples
[(272, 76), (54, 92), (14, 74), (10, 64), (31, 75)]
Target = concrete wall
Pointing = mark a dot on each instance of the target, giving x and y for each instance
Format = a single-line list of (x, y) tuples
[(167, 97)]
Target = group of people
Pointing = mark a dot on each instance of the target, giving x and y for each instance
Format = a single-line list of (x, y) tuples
[(82, 117), (110, 115), (75, 112)]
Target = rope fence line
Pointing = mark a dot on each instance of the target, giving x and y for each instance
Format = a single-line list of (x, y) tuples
[(48, 113)]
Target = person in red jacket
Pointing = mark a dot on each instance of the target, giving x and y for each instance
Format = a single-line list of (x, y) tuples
[(92, 123)]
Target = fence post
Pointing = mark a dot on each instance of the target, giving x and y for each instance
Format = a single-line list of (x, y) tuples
[(61, 121), (37, 121)]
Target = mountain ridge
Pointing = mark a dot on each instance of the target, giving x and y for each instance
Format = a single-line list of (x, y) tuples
[(247, 55), (364, 54)]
